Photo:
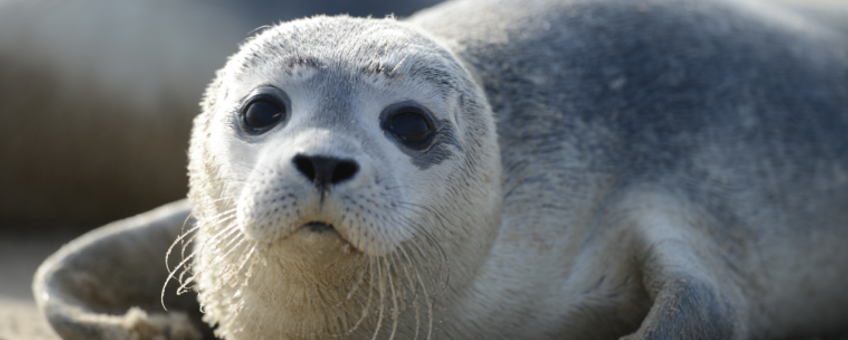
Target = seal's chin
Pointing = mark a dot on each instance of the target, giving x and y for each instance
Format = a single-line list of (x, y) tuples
[(315, 242)]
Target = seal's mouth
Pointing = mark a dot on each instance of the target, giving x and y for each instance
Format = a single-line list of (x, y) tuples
[(319, 227)]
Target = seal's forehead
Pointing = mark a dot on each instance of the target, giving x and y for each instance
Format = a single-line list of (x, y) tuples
[(356, 45)]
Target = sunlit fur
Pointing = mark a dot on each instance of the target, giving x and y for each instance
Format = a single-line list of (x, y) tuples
[(400, 225), (661, 169)]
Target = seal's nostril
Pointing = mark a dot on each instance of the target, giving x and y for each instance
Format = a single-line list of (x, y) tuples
[(305, 166), (325, 171), (345, 169)]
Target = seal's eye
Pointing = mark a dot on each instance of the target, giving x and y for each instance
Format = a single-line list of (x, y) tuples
[(261, 114), (411, 127)]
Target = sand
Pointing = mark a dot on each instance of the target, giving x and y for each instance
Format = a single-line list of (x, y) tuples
[(20, 255)]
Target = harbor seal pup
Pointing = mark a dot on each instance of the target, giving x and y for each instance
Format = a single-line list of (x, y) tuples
[(606, 169)]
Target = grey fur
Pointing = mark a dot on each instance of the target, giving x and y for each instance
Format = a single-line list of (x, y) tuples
[(739, 109), (672, 169)]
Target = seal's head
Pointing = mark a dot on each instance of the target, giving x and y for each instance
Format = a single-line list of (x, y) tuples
[(342, 169)]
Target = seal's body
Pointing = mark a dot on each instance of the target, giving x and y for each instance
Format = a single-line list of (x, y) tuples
[(681, 159), (527, 170), (670, 169)]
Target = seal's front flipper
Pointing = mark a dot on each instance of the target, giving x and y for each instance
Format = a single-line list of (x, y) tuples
[(687, 307), (680, 274), (106, 284)]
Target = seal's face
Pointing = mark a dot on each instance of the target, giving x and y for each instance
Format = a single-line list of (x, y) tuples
[(340, 166)]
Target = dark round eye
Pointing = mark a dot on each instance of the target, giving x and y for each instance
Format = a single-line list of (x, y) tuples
[(263, 113), (410, 124), (409, 127)]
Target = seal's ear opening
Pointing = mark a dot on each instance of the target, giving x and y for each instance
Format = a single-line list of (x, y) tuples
[(106, 284)]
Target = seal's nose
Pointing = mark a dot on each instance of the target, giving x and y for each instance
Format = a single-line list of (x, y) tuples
[(325, 171)]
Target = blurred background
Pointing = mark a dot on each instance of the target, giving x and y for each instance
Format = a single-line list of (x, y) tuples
[(96, 103), (97, 97)]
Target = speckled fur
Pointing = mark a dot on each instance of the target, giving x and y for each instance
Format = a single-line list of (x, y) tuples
[(661, 170)]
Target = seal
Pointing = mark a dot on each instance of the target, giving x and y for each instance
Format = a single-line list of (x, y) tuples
[(658, 169)]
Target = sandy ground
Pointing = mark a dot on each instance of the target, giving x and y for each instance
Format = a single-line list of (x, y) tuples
[(20, 256), (19, 320)]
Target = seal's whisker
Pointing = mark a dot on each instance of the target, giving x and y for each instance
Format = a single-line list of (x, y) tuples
[(222, 198), (365, 310), (184, 288), (430, 271), (395, 311), (397, 265), (245, 258), (229, 274), (429, 303), (187, 243), (180, 240), (440, 219), (228, 235), (184, 263), (232, 242), (220, 236), (168, 279), (382, 304), (249, 273), (414, 292), (427, 263), (187, 269), (360, 276), (217, 219), (442, 266), (205, 294)]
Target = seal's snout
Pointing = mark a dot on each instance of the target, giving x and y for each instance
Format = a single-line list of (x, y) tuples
[(325, 172)]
